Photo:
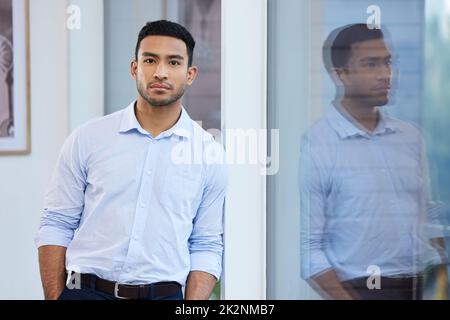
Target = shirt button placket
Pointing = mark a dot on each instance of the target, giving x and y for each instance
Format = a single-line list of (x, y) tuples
[(140, 216)]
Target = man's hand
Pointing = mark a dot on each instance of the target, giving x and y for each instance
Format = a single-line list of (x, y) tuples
[(328, 286), (199, 285), (441, 272), (441, 283), (52, 261)]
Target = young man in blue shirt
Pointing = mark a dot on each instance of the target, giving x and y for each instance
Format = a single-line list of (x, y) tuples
[(123, 213)]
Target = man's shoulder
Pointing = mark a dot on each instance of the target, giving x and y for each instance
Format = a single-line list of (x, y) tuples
[(110, 121), (203, 137), (97, 129), (201, 133), (406, 127), (320, 132)]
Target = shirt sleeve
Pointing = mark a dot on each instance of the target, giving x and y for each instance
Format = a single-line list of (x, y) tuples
[(206, 240), (313, 238), (435, 210), (64, 200)]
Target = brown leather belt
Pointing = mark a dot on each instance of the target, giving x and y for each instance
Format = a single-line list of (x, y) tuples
[(126, 291)]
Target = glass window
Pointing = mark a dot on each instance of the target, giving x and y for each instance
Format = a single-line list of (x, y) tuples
[(359, 206)]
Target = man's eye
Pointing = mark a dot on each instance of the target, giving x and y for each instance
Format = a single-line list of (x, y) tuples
[(149, 60), (174, 63)]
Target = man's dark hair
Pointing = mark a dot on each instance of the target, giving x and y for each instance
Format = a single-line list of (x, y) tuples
[(337, 48), (170, 29)]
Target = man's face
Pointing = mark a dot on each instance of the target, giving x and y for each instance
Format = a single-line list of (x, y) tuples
[(161, 71), (368, 74)]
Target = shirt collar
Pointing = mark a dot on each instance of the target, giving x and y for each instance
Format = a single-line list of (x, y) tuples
[(182, 127), (347, 127)]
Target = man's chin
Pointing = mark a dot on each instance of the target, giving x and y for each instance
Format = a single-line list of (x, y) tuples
[(381, 101), (159, 102)]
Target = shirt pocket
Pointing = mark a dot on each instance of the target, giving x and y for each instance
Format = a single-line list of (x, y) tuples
[(360, 182), (410, 176), (182, 187)]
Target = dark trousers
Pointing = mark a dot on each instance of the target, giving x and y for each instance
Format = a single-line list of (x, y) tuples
[(86, 293), (409, 288)]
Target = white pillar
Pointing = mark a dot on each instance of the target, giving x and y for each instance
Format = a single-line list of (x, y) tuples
[(244, 34)]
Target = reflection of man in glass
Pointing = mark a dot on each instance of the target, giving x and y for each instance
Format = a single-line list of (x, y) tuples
[(363, 180), (5, 67)]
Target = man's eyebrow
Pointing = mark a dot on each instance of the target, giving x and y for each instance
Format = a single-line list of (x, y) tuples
[(176, 56), (149, 54), (388, 57)]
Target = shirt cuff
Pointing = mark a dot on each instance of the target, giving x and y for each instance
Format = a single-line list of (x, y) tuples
[(435, 230), (314, 264), (207, 261), (51, 236)]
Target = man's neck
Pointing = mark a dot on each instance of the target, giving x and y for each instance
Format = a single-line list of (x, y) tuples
[(157, 119), (366, 116)]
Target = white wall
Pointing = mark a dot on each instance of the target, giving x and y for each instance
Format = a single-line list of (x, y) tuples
[(24, 178), (86, 63)]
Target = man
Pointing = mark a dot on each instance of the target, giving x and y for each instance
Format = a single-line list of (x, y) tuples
[(122, 212), (363, 178)]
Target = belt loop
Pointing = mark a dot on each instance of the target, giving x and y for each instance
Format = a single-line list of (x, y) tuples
[(92, 282)]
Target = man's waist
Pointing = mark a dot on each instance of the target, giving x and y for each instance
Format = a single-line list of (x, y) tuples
[(349, 273), (137, 273), (125, 291)]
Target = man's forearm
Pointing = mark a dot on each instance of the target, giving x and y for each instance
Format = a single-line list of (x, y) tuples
[(329, 286), (199, 285), (52, 261), (441, 271)]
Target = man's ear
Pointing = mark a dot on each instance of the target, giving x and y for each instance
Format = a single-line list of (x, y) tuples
[(338, 75), (192, 74), (133, 68)]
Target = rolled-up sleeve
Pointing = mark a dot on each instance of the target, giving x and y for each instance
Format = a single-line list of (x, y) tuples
[(206, 240), (64, 200), (435, 210), (313, 259)]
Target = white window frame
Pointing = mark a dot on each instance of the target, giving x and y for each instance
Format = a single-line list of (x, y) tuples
[(244, 87)]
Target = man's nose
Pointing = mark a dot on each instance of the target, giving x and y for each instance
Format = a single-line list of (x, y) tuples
[(385, 72), (160, 72)]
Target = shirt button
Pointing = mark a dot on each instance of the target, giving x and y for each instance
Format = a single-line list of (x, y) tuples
[(383, 170), (127, 270), (149, 172), (142, 205)]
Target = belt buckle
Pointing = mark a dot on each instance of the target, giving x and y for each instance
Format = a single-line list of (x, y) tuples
[(116, 292)]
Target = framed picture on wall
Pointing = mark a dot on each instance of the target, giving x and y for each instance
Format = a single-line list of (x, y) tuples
[(14, 78)]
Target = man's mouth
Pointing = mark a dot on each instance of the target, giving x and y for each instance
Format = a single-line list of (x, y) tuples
[(159, 86), (383, 88)]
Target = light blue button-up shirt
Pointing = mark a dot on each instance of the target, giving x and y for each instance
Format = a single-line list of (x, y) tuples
[(364, 200), (129, 208)]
